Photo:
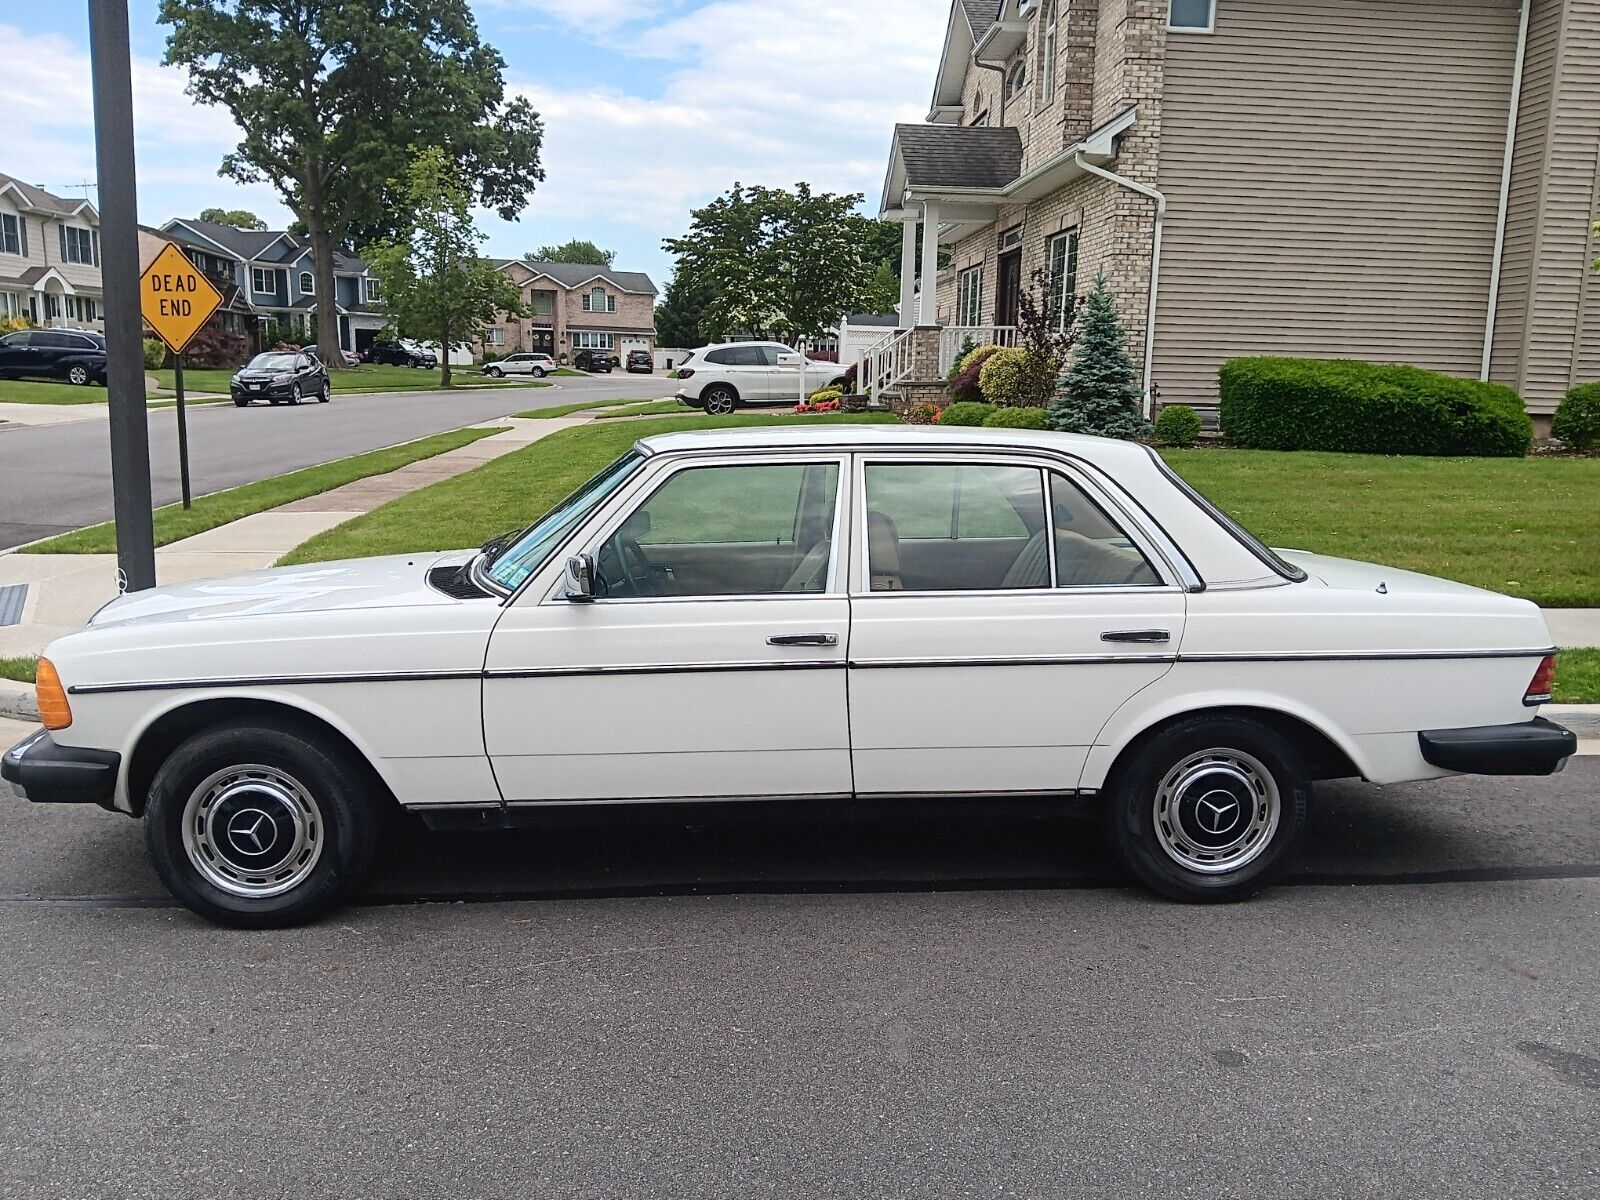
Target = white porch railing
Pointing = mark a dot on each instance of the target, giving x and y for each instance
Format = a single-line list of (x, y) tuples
[(953, 337), (884, 364)]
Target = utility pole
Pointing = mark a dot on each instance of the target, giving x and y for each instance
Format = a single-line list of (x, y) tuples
[(112, 72)]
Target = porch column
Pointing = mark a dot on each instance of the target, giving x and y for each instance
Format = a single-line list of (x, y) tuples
[(929, 313), (908, 269)]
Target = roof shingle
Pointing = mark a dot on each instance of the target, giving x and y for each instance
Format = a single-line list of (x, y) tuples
[(959, 155)]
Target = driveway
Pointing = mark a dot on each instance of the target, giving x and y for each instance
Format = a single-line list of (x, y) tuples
[(54, 478), (946, 1001)]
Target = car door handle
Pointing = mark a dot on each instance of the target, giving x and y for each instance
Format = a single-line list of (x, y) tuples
[(1141, 636), (803, 639)]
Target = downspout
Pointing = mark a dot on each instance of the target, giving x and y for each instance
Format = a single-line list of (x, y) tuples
[(1512, 116), (1160, 199)]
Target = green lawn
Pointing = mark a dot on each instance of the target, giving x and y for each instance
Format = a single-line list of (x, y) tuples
[(32, 391), (503, 494), (1527, 527), (563, 410), (352, 380), (651, 408), (20, 669), (174, 522)]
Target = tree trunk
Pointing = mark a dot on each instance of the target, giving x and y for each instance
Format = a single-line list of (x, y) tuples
[(322, 248), (444, 358)]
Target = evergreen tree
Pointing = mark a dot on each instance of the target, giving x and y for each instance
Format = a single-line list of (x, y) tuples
[(1098, 394)]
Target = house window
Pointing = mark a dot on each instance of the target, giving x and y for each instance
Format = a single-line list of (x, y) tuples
[(52, 306), (308, 285), (598, 301), (9, 307), (77, 246), (1011, 238), (980, 121), (263, 281), (969, 296), (594, 341), (543, 304), (11, 235), (374, 291), (1063, 276), (1017, 79), (494, 336), (1047, 53), (1193, 16)]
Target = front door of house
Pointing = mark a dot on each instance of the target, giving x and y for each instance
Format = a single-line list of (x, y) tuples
[(1007, 286), (542, 341)]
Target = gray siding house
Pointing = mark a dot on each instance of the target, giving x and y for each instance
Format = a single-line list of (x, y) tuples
[(1396, 180)]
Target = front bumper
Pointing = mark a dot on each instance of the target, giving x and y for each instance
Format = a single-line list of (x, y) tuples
[(40, 770), (265, 391), (1536, 747)]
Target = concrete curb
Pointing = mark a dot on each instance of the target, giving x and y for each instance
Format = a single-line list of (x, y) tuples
[(17, 701), (1582, 719)]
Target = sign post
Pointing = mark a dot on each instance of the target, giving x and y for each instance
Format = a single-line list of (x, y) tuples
[(176, 299)]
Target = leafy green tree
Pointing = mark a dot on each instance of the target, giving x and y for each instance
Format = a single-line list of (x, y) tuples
[(575, 251), (678, 315), (330, 96), (1099, 394), (239, 218), (436, 285), (777, 263)]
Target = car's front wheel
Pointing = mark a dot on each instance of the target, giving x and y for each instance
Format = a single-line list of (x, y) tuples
[(720, 400), (493, 372), (326, 393), (294, 394), (1210, 808), (241, 402), (260, 824), (78, 374)]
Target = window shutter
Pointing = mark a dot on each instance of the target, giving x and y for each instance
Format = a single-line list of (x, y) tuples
[(62, 230), (94, 237), (22, 223)]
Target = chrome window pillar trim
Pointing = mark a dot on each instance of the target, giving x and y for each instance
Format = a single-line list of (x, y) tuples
[(1232, 528)]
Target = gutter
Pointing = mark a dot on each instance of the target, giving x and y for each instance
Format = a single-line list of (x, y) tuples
[(1160, 199), (1512, 116)]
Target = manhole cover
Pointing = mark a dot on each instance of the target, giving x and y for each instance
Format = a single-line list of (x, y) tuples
[(12, 599)]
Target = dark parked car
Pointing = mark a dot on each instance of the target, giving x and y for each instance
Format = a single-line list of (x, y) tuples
[(595, 360), (76, 355), (640, 362), (281, 377), (396, 354)]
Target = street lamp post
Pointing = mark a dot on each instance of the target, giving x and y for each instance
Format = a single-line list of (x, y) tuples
[(119, 264)]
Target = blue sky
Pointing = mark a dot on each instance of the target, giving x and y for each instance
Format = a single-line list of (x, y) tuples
[(651, 107)]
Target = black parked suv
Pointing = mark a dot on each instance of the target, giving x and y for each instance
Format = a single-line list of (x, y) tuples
[(397, 355), (281, 377), (76, 355), (640, 362), (595, 360)]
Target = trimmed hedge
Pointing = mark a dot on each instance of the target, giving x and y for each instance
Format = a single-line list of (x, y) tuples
[(1577, 419), (1018, 418), (965, 412), (1004, 377), (1178, 425), (966, 384), (1368, 408)]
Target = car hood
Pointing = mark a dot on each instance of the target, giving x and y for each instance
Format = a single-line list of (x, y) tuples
[(396, 581)]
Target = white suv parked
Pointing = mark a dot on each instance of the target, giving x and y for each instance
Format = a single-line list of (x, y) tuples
[(721, 378), (537, 365)]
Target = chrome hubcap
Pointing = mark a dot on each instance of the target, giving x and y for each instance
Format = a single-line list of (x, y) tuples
[(253, 831), (1216, 811)]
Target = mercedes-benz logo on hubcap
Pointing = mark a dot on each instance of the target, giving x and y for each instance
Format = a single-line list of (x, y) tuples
[(251, 831), (1216, 812)]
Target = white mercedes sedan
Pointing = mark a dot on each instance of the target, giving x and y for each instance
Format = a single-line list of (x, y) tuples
[(840, 611)]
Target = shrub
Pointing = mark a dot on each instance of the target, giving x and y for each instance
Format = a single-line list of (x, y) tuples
[(490, 356), (824, 395), (1018, 418), (849, 386), (967, 384), (1004, 377), (1368, 408), (965, 412), (1577, 419), (1098, 395), (920, 414), (155, 353), (968, 345), (1178, 425)]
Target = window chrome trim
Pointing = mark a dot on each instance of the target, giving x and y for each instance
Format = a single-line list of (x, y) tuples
[(1269, 558)]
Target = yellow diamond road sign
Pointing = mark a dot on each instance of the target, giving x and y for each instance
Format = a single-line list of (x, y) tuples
[(175, 298)]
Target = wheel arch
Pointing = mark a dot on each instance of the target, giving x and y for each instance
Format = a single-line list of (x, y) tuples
[(716, 383), (170, 728)]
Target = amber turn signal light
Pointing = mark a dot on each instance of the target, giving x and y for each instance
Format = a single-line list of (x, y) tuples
[(54, 711)]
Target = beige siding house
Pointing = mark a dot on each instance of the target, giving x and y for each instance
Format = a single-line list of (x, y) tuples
[(1397, 180), (573, 307), (49, 258)]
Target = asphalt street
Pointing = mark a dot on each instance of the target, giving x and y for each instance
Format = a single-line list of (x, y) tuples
[(54, 478), (962, 1000)]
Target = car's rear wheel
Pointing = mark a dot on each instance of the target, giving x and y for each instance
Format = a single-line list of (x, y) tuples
[(720, 400), (78, 374), (538, 372), (260, 824), (1210, 808)]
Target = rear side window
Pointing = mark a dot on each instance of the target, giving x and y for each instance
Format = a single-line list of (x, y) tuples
[(722, 358), (1091, 550)]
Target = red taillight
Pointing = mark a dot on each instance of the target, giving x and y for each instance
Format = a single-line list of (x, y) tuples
[(1543, 685), (685, 372)]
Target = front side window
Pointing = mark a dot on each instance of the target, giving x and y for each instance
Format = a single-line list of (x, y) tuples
[(988, 527), (10, 234), (511, 558), (969, 297), (755, 530), (1194, 16), (1063, 276)]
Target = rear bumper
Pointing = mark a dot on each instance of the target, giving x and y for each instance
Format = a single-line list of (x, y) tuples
[(1537, 747), (41, 771)]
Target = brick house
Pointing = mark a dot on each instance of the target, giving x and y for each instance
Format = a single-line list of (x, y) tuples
[(575, 306), (49, 258), (1396, 180)]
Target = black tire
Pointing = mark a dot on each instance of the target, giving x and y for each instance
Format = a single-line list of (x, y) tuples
[(719, 400), (78, 374), (493, 372), (538, 372), (1210, 809), (345, 816), (241, 403), (294, 393), (326, 393)]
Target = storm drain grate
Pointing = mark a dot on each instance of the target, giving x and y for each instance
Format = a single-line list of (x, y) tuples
[(12, 599)]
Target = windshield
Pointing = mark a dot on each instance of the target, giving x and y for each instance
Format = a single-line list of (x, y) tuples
[(272, 362), (525, 553)]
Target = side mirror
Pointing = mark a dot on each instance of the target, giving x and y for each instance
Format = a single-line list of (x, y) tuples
[(580, 578)]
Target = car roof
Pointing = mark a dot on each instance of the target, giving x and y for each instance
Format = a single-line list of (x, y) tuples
[(917, 437)]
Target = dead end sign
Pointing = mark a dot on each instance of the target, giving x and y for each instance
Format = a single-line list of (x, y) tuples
[(175, 298)]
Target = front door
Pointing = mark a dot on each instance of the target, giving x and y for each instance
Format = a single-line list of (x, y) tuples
[(1007, 287), (542, 341), (1000, 614), (710, 665)]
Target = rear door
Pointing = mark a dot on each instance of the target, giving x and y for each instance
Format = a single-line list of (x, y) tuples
[(1002, 609)]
